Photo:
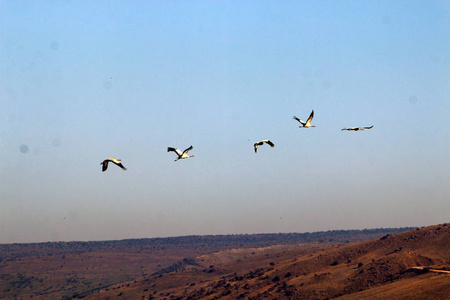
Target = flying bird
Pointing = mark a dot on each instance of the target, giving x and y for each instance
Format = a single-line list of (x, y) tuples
[(307, 123), (260, 143), (181, 155), (356, 128), (113, 160)]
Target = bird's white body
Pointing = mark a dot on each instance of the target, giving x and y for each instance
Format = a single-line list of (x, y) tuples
[(306, 124), (181, 155)]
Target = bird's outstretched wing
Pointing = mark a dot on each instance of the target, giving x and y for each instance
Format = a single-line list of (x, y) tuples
[(104, 165), (188, 149), (176, 150), (311, 116), (299, 120), (120, 165), (270, 143), (370, 127), (256, 146)]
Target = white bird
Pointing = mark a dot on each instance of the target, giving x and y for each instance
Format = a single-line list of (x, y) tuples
[(260, 143), (356, 128), (113, 160), (181, 155), (307, 123)]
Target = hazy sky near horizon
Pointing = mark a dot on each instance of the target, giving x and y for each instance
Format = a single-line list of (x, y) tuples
[(81, 81)]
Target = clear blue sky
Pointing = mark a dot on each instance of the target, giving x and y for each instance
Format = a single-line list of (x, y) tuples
[(81, 81)]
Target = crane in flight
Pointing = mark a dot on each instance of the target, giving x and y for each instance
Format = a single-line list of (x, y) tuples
[(357, 128), (181, 155), (113, 160), (306, 124), (260, 143)]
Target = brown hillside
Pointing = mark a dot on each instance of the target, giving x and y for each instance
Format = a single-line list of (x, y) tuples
[(62, 270), (376, 269)]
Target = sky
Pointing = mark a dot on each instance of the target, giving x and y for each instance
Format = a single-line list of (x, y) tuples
[(81, 81)]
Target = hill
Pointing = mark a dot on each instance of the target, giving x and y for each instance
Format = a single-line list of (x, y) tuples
[(408, 265), (58, 270)]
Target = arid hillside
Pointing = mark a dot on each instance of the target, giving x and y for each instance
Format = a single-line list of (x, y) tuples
[(408, 265), (63, 270)]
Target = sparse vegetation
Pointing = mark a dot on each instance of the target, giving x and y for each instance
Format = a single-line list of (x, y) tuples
[(377, 263), (69, 269)]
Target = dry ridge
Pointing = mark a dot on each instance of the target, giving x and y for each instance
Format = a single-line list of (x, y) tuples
[(399, 266), (64, 270)]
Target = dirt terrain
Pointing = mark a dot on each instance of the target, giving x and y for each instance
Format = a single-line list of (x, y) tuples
[(63, 270), (399, 266)]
